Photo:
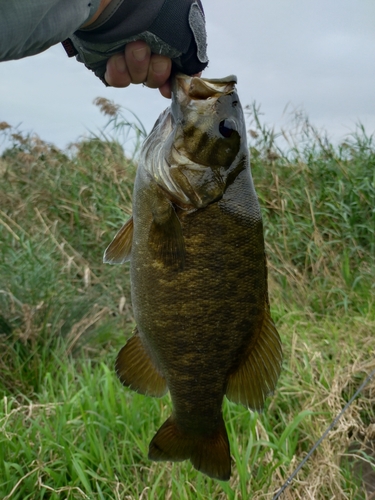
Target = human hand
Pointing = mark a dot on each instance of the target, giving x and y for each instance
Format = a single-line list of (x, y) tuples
[(136, 64), (169, 32)]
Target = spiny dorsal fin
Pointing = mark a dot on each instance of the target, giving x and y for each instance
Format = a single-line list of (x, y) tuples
[(257, 376), (209, 454), (119, 250), (166, 241), (136, 370)]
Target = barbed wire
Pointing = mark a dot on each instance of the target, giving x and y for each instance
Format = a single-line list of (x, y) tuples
[(331, 426)]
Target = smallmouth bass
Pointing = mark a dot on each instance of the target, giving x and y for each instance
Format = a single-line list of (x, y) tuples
[(198, 275)]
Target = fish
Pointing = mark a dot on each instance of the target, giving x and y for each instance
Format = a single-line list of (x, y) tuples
[(198, 275)]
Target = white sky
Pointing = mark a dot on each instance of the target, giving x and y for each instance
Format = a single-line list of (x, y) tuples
[(314, 54)]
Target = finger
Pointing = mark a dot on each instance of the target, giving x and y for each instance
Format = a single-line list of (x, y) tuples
[(166, 89), (137, 57), (159, 71), (117, 74)]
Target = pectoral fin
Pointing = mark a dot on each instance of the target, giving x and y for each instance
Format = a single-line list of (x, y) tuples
[(256, 377), (136, 370), (166, 240), (119, 250)]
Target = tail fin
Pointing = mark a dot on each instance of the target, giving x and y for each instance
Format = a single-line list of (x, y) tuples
[(208, 454)]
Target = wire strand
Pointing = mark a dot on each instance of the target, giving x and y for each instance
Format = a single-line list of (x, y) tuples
[(293, 475)]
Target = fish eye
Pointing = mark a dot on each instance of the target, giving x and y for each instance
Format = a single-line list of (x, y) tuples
[(226, 127)]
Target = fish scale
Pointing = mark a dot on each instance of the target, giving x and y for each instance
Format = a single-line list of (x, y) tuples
[(198, 275)]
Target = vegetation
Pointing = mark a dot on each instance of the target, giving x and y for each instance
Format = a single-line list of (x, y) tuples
[(69, 430)]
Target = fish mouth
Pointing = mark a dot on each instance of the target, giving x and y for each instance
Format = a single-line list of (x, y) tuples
[(194, 87)]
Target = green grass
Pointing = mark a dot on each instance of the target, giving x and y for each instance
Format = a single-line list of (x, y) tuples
[(83, 434), (69, 430)]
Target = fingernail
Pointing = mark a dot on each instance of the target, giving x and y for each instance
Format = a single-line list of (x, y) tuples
[(120, 63), (140, 54), (159, 67)]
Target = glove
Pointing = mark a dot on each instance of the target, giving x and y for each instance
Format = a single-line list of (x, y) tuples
[(173, 28)]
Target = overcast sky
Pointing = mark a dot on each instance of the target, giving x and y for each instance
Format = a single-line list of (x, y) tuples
[(318, 55)]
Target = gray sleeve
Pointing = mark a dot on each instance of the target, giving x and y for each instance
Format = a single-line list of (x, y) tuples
[(28, 27)]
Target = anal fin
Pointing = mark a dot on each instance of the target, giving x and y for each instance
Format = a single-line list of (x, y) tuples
[(209, 454), (257, 375), (119, 250), (136, 370)]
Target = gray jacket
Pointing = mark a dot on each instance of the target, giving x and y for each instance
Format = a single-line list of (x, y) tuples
[(28, 27)]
